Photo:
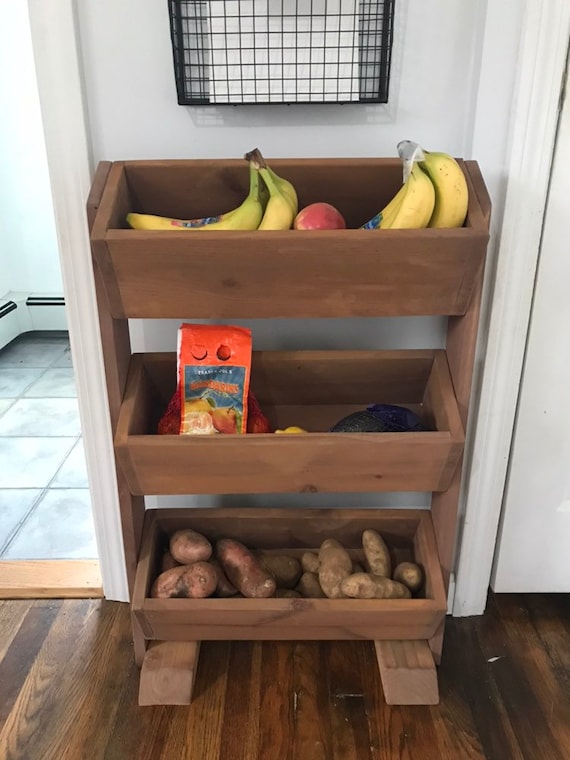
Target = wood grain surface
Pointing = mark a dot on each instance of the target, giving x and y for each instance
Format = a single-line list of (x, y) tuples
[(69, 690)]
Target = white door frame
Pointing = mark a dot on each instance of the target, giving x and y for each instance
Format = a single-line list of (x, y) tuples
[(54, 39), (534, 108)]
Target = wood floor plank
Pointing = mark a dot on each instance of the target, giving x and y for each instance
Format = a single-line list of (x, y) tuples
[(313, 732), (196, 731), (78, 666), (550, 616), (51, 579), (25, 643), (277, 719), (243, 702), (530, 659), (349, 724), (12, 614), (517, 690), (455, 731), (398, 733), (474, 680), (74, 694)]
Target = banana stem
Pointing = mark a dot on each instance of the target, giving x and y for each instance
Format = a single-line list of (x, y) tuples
[(254, 156)]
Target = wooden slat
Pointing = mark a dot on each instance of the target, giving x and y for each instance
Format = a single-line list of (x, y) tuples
[(50, 578), (256, 274), (168, 673), (298, 274), (102, 210), (408, 672), (326, 462)]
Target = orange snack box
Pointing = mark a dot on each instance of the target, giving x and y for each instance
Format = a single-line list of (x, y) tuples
[(214, 365)]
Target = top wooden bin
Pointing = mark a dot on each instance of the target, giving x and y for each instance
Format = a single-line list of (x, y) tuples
[(231, 275)]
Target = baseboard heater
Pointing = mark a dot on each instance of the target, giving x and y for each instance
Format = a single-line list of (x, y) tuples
[(21, 313), (7, 307), (45, 301)]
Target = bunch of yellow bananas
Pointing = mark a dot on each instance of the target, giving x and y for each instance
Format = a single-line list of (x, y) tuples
[(434, 193), (271, 204)]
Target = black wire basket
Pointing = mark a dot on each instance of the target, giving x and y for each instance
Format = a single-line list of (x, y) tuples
[(235, 52)]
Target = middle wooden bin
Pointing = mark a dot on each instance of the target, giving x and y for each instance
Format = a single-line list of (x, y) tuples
[(311, 389)]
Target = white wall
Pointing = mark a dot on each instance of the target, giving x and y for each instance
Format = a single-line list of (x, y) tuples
[(29, 259), (435, 99)]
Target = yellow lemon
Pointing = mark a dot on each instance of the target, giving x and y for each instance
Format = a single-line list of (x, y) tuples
[(292, 429)]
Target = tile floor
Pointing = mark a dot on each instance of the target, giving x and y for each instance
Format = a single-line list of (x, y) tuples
[(45, 509)]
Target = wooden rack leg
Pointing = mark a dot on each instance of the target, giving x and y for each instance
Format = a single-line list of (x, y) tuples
[(168, 673), (408, 672)]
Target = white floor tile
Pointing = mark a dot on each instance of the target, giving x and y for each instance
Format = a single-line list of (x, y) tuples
[(73, 472), (5, 404), (14, 506), (15, 380), (60, 527), (28, 351), (42, 417), (31, 462), (57, 382)]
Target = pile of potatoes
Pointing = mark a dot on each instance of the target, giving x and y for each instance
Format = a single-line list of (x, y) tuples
[(193, 568)]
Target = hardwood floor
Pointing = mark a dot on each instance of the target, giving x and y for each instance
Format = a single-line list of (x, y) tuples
[(69, 690)]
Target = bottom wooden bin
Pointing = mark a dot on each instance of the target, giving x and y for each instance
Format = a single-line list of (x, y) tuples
[(397, 626)]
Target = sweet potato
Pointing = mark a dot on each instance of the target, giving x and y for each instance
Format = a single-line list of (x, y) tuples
[(224, 588), (244, 570), (310, 562), (287, 593), (194, 581), (376, 554), (285, 570), (335, 564), (409, 574), (368, 586), (187, 547)]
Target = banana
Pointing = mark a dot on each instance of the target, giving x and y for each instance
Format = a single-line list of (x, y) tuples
[(281, 207), (410, 208), (451, 192), (416, 208), (383, 218), (286, 188), (246, 216)]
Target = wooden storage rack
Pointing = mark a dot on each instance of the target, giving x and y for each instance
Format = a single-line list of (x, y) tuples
[(237, 275)]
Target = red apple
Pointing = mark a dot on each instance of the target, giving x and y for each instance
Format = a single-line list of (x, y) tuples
[(319, 216)]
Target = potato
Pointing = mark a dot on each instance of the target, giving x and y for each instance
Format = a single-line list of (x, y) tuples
[(194, 581), (376, 554), (168, 562), (368, 586), (187, 547), (335, 564), (244, 570), (409, 574), (309, 586), (224, 588), (285, 569), (287, 593), (310, 562)]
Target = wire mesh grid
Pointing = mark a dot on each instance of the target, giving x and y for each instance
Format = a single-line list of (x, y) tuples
[(281, 51)]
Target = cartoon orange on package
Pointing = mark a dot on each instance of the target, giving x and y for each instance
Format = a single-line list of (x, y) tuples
[(214, 364)]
